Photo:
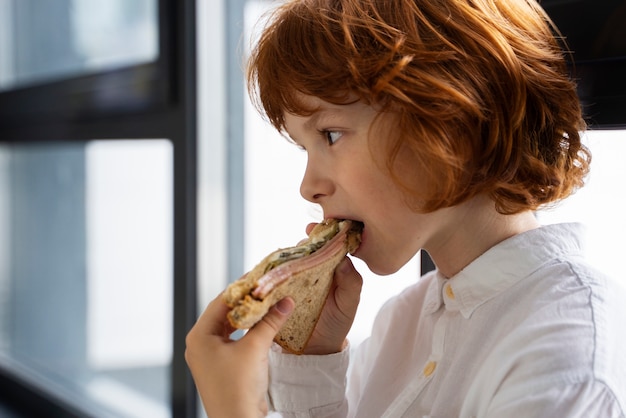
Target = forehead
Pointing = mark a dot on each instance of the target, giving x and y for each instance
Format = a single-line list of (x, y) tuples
[(308, 105)]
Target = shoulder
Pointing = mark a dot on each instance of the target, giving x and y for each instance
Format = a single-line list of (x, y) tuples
[(590, 398), (607, 304), (571, 329), (556, 336)]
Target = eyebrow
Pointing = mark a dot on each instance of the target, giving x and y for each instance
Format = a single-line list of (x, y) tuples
[(310, 123), (321, 112)]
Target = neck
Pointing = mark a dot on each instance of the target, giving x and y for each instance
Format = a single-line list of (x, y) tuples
[(472, 228)]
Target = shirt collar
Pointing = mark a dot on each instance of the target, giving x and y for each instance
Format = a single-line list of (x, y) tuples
[(434, 297), (501, 267)]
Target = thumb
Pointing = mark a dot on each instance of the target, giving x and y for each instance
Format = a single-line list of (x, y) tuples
[(267, 328), (348, 284), (347, 277)]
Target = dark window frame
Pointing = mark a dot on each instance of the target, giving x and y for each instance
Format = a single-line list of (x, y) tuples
[(72, 109)]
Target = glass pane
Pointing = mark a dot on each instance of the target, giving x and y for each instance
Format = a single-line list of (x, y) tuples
[(86, 270), (600, 204), (42, 41)]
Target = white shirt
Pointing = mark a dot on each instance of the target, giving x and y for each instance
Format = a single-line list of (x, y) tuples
[(528, 329)]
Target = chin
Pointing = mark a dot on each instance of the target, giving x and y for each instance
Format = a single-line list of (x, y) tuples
[(380, 267), (382, 263), (384, 272)]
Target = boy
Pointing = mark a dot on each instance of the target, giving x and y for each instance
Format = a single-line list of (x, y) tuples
[(441, 125)]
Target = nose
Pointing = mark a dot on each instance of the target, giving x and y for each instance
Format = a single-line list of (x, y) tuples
[(317, 182)]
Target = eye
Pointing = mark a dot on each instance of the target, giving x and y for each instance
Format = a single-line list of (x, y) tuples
[(331, 136)]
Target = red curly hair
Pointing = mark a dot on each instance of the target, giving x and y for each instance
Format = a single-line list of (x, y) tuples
[(478, 89)]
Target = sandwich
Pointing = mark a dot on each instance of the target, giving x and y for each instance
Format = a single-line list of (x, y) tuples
[(303, 272)]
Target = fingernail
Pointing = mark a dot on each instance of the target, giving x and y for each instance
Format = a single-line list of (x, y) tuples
[(284, 306)]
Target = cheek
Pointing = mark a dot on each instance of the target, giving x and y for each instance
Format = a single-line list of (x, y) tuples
[(372, 184), (414, 179), (402, 169)]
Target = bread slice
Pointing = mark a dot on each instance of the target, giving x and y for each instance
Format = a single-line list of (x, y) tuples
[(308, 288)]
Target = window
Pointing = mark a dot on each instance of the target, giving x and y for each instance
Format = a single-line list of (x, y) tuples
[(98, 192), (90, 239), (58, 39), (129, 226)]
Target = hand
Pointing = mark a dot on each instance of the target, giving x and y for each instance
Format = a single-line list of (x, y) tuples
[(232, 376), (337, 317)]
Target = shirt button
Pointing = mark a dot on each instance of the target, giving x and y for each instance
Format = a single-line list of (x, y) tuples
[(429, 368), (449, 292)]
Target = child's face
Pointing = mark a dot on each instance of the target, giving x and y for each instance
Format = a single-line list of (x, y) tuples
[(349, 182)]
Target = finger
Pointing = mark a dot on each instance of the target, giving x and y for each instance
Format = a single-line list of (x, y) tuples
[(266, 329), (213, 320), (211, 323), (347, 277), (348, 284), (310, 227)]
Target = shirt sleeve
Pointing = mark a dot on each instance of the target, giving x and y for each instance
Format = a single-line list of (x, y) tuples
[(308, 386)]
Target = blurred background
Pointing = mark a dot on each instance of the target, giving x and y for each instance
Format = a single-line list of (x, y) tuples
[(136, 181)]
